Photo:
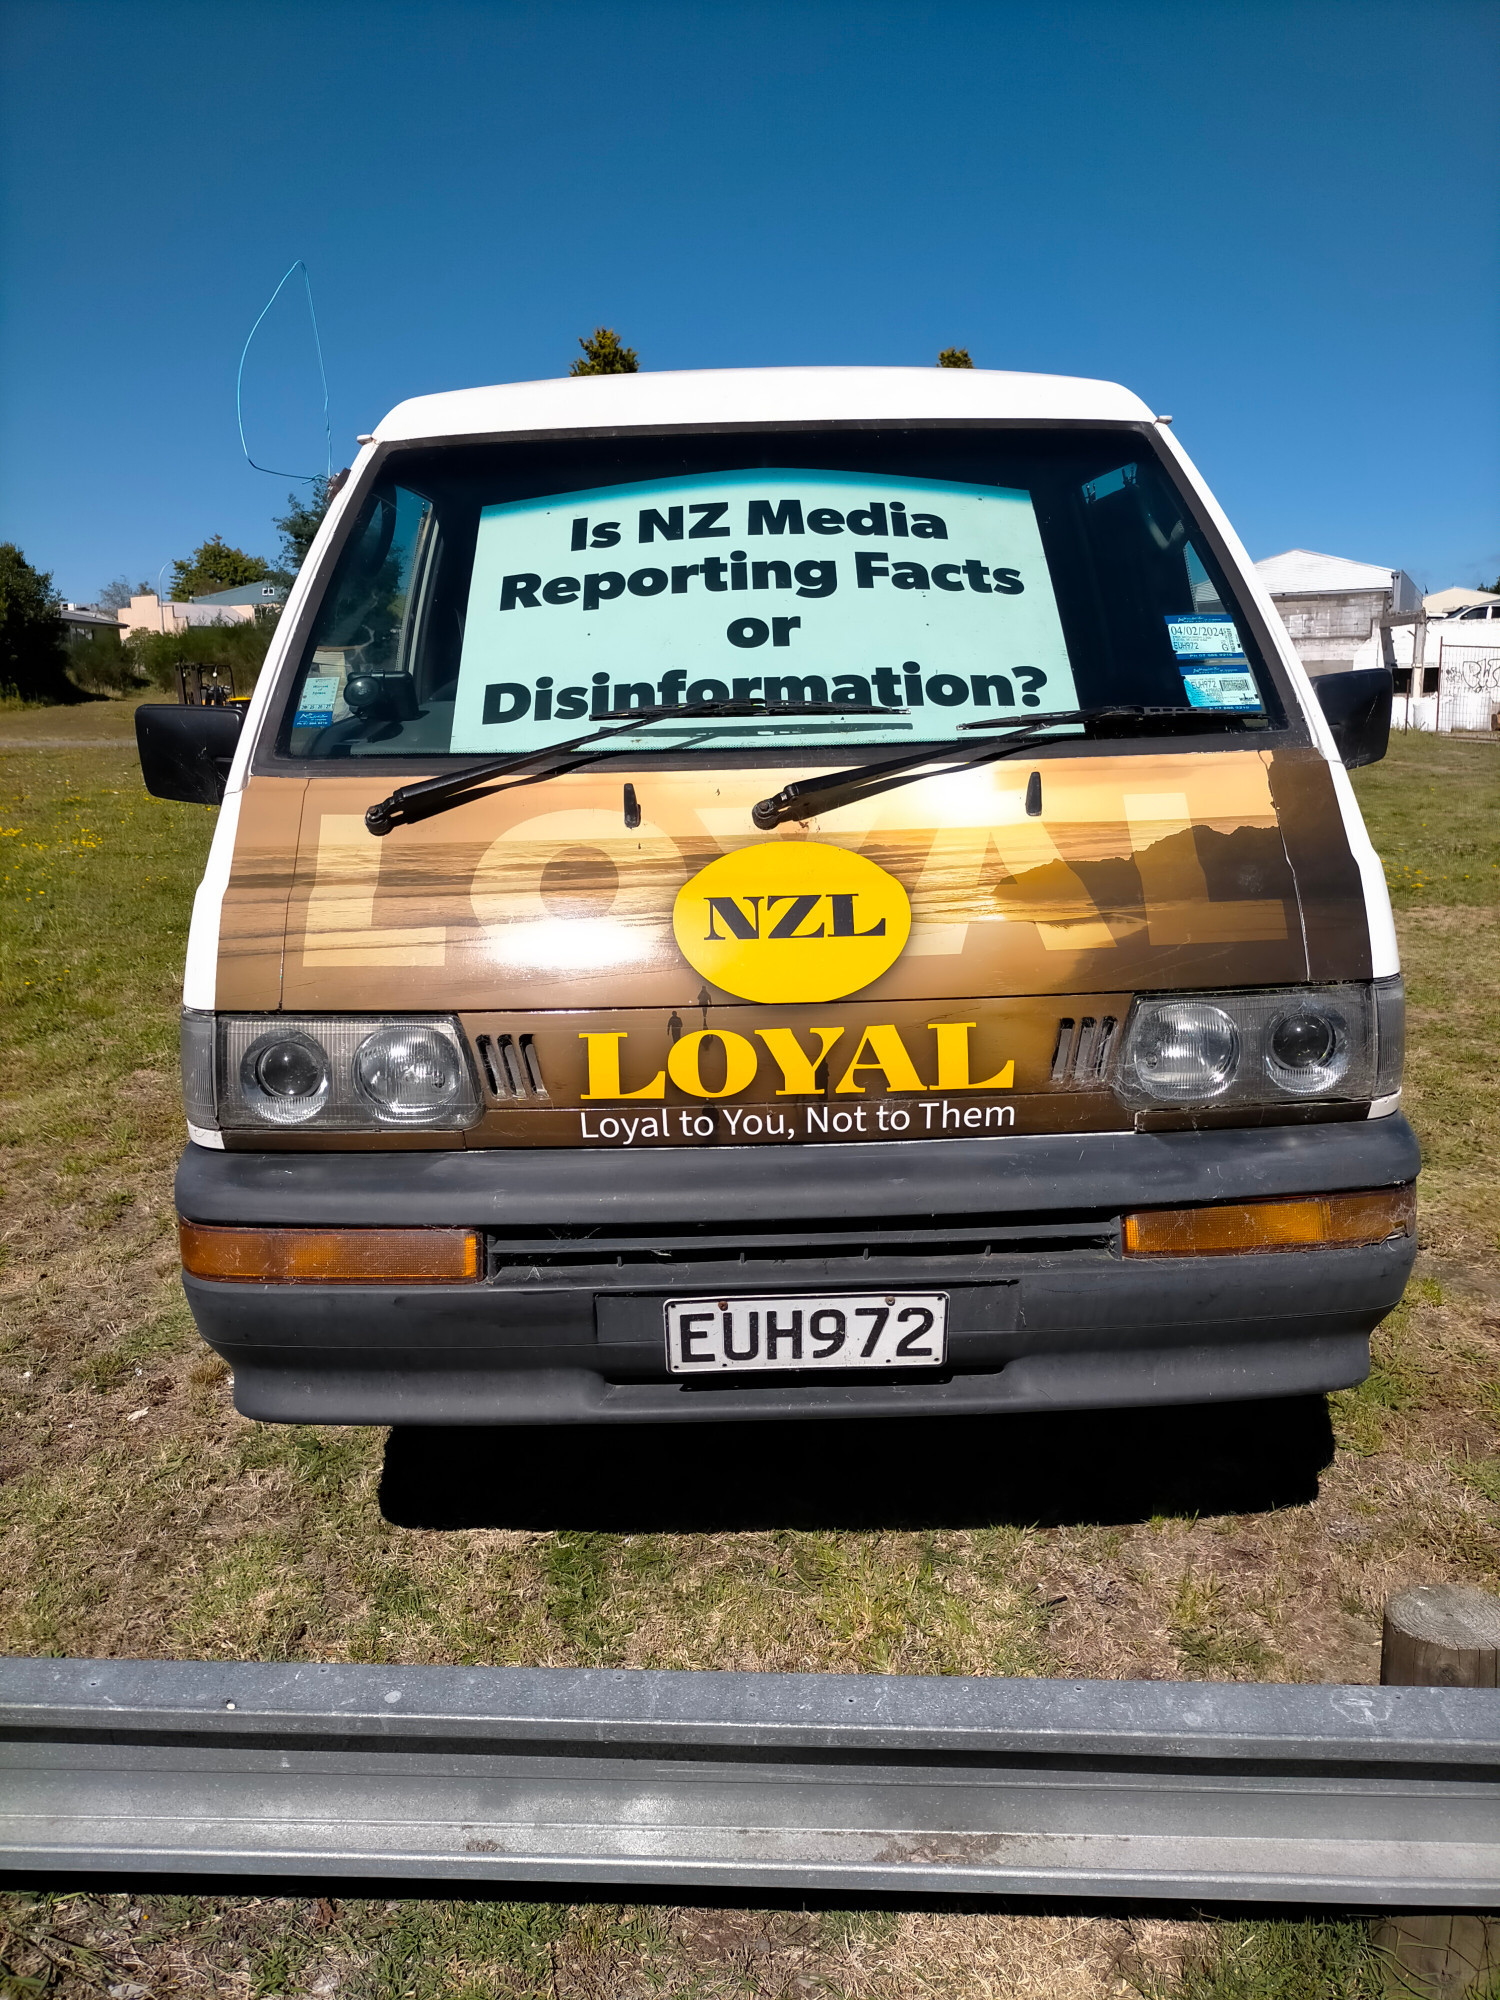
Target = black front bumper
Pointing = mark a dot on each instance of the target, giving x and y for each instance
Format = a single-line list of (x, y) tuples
[(583, 1248)]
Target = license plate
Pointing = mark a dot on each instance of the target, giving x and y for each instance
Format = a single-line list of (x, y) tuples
[(878, 1330)]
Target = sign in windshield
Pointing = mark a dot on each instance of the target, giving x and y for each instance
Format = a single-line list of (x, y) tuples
[(791, 586)]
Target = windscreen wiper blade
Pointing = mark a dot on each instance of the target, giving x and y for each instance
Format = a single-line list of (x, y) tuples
[(410, 803), (862, 781)]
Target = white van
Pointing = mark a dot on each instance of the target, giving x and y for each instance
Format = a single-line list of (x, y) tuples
[(783, 893)]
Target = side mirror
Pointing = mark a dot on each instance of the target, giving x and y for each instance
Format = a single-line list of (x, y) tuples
[(186, 752), (1358, 711)]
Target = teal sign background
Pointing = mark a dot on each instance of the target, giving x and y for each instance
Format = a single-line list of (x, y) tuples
[(760, 582)]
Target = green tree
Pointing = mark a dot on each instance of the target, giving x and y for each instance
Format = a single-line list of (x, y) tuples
[(603, 355), (33, 649), (212, 566), (955, 357), (300, 523)]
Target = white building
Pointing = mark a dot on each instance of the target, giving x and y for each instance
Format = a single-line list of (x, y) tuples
[(1340, 614), (1447, 674), (83, 621), (1460, 603)]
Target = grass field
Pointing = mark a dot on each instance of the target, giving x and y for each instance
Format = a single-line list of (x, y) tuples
[(139, 1515)]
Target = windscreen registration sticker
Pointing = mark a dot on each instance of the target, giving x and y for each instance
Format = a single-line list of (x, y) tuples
[(315, 704), (1196, 638), (789, 586), (1211, 659), (1221, 690)]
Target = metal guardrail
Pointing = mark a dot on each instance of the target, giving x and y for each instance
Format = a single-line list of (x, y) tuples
[(812, 1782)]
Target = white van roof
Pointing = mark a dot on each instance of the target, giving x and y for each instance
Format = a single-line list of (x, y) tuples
[(715, 396)]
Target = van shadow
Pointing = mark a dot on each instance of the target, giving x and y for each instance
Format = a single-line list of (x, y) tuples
[(1044, 1470)]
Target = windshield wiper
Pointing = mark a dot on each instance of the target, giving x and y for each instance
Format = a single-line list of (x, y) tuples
[(862, 781), (410, 803)]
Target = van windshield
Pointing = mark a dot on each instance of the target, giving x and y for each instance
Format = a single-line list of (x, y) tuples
[(503, 598)]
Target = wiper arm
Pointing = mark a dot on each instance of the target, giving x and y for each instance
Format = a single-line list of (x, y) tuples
[(410, 803), (862, 781)]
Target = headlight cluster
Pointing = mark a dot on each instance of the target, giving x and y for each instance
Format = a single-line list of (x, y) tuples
[(327, 1073), (1292, 1044)]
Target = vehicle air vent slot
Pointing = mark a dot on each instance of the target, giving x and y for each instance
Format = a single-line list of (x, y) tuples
[(1062, 1055), (1104, 1048), (1084, 1051), (512, 1067), (486, 1051), (533, 1065)]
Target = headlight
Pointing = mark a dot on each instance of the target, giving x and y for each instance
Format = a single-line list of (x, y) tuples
[(342, 1073), (1307, 1048), (285, 1077), (1266, 1048), (1185, 1050), (412, 1074)]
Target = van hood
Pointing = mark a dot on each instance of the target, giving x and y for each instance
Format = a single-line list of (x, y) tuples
[(1192, 869)]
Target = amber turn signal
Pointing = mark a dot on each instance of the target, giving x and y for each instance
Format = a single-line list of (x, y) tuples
[(1300, 1224), (329, 1256)]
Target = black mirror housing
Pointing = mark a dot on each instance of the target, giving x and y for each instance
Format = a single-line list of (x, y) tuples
[(1357, 707), (392, 696), (185, 753)]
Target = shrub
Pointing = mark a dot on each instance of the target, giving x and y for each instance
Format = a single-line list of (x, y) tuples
[(241, 648), (102, 664)]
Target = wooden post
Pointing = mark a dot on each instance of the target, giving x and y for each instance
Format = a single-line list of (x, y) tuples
[(1440, 1635)]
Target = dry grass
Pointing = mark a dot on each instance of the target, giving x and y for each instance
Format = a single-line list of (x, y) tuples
[(253, 1948), (139, 1515)]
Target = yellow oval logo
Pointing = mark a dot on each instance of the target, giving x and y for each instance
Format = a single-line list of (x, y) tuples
[(791, 920)]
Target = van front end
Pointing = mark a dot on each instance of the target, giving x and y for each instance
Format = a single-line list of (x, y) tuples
[(548, 1304), (914, 951)]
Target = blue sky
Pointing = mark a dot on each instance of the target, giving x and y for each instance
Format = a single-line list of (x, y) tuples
[(1279, 222)]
